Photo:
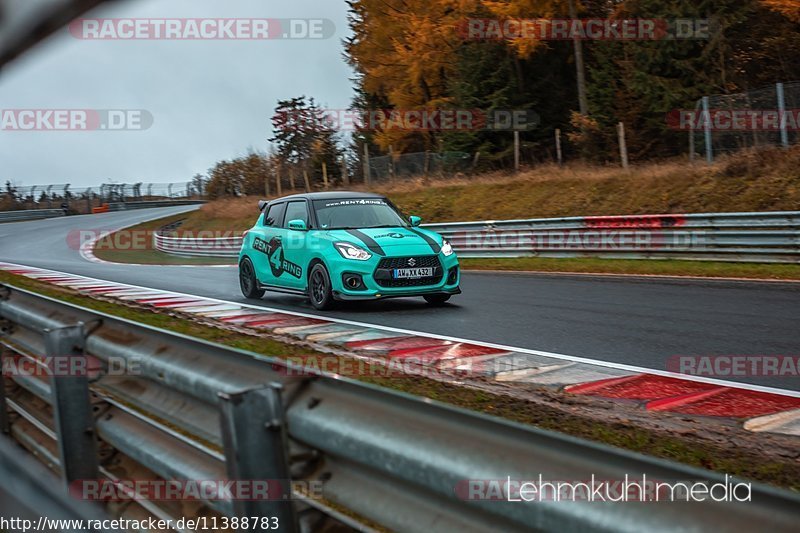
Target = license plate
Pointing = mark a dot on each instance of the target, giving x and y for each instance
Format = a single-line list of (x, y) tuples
[(412, 273)]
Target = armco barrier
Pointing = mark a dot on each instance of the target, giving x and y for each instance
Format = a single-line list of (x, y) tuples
[(193, 410), (124, 206), (741, 237), (29, 493), (197, 247), (32, 214)]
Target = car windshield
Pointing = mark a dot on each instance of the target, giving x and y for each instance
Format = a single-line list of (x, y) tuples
[(357, 213)]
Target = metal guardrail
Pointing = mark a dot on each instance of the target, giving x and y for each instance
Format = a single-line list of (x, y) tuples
[(202, 411), (197, 247), (40, 214), (32, 214), (29, 493), (124, 206), (741, 237)]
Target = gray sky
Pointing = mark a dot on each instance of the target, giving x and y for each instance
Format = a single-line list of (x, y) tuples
[(210, 100)]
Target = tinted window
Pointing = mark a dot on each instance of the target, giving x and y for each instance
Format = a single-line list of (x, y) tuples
[(274, 216), (295, 211), (357, 213)]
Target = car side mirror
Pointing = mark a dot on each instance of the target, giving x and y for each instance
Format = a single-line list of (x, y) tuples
[(415, 221), (298, 225), (262, 204)]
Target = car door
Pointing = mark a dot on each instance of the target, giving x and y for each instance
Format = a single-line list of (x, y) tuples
[(295, 249), (268, 245)]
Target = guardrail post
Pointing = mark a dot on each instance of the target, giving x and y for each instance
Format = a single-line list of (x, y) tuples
[(707, 131), (72, 408), (782, 115), (255, 441), (5, 427)]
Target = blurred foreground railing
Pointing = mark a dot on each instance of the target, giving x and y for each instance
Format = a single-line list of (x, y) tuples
[(187, 409)]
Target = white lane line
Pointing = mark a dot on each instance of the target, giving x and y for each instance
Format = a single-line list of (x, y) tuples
[(414, 333), (86, 248), (624, 277)]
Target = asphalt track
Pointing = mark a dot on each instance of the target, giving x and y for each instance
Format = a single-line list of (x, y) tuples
[(635, 321)]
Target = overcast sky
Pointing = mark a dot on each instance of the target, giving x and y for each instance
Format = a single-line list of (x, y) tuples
[(210, 100)]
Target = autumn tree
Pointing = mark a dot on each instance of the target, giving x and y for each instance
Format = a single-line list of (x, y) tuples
[(304, 138)]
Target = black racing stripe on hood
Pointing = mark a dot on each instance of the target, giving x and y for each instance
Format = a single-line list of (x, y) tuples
[(431, 242), (371, 243)]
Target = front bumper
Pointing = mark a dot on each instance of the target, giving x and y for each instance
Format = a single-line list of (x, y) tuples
[(447, 280), (363, 297)]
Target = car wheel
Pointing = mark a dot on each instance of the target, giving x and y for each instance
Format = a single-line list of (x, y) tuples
[(247, 280), (437, 299), (319, 288)]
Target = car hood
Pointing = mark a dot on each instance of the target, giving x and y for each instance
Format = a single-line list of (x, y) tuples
[(392, 241)]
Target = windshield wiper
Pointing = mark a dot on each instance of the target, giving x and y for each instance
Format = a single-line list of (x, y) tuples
[(364, 227), (384, 226)]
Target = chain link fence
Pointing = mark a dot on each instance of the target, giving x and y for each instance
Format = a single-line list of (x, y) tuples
[(733, 122), (430, 164), (82, 200)]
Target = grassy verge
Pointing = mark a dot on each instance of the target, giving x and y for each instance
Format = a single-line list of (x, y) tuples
[(154, 257), (110, 249), (712, 269), (709, 269), (746, 461)]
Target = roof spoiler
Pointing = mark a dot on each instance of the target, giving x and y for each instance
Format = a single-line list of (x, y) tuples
[(262, 204)]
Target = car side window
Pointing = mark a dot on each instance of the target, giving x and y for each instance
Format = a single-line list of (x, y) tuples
[(295, 211), (274, 216)]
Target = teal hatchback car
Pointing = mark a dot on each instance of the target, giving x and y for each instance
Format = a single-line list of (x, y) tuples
[(336, 246)]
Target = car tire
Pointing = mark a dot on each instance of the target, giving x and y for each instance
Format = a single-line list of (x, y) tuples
[(436, 299), (320, 292), (248, 281)]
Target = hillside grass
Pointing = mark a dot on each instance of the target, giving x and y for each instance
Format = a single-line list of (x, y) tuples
[(765, 180)]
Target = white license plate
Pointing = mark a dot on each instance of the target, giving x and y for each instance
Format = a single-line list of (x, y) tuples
[(412, 273)]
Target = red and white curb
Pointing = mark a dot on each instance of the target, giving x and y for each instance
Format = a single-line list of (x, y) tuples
[(762, 409)]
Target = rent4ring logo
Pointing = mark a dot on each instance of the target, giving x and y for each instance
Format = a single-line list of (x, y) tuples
[(75, 120), (200, 29)]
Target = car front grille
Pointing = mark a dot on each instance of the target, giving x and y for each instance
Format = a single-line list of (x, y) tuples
[(402, 262), (387, 264)]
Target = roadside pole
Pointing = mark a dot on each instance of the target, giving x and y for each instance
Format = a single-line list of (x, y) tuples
[(367, 177), (623, 147), (558, 147), (782, 114)]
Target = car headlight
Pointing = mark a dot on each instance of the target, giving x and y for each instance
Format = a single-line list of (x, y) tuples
[(351, 251), (447, 250)]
